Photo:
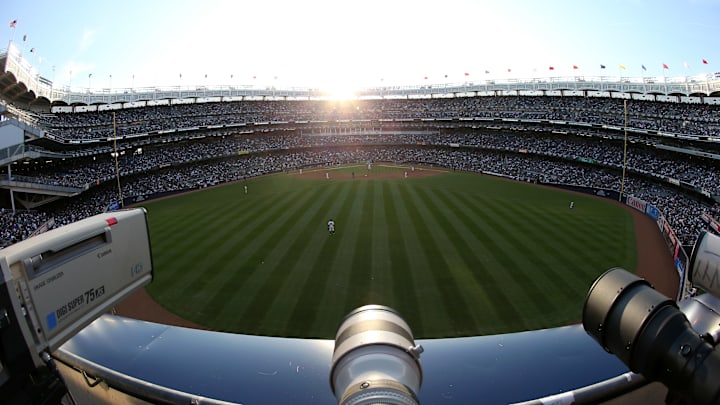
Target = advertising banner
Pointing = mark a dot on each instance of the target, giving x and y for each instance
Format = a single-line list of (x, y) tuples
[(636, 203), (652, 212)]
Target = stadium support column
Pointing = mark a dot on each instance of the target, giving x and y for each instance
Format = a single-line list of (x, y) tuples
[(117, 169), (12, 197), (622, 182)]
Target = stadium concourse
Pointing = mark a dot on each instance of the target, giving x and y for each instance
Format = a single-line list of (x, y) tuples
[(185, 147)]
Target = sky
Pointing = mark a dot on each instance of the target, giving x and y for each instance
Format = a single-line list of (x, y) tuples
[(342, 45)]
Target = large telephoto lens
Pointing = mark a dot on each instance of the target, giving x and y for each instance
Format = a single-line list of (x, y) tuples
[(375, 360), (647, 331)]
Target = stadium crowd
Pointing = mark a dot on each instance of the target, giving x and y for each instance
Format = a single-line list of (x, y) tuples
[(19, 225), (80, 172), (682, 211), (701, 120)]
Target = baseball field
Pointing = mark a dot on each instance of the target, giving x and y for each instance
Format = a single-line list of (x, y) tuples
[(458, 254)]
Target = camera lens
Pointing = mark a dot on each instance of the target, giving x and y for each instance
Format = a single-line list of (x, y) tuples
[(375, 359), (650, 335)]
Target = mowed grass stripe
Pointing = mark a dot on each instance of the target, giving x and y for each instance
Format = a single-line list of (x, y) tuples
[(456, 222), (181, 240), (300, 299), (498, 278), (237, 263), (563, 233), (329, 301), (258, 285), (294, 269), (568, 234), (360, 276), (461, 316), (606, 224), (351, 265), (231, 224), (174, 215), (557, 268), (413, 288), (289, 243), (574, 270), (510, 258), (521, 235), (382, 283), (210, 204), (551, 258), (199, 272), (228, 241)]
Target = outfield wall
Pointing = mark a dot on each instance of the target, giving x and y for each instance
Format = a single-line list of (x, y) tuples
[(679, 256)]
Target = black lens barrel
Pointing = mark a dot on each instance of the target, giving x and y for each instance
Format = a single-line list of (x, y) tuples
[(647, 331)]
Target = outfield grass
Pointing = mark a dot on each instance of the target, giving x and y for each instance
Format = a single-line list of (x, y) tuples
[(457, 254)]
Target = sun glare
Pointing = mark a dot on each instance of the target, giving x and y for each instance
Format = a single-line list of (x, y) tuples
[(340, 91)]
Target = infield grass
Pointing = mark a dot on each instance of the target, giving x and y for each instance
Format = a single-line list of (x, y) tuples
[(457, 254)]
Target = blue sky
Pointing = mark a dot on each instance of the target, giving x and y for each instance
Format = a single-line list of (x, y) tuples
[(344, 45)]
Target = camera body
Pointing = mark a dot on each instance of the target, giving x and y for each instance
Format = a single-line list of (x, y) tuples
[(57, 283)]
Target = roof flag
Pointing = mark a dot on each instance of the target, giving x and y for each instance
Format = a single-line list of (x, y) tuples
[(602, 66), (644, 68), (665, 66), (551, 68), (575, 67), (622, 67), (12, 23), (705, 62)]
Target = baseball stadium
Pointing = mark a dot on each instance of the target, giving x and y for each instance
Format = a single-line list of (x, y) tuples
[(481, 211)]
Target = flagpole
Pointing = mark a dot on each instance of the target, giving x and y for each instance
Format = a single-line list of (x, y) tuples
[(622, 182), (575, 76), (117, 169), (14, 26)]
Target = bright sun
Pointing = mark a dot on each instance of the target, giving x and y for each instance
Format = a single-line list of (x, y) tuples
[(339, 86), (340, 90)]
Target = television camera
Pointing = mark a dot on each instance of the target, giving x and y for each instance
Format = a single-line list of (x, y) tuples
[(57, 283)]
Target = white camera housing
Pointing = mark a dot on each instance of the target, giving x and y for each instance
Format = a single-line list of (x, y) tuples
[(62, 280)]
